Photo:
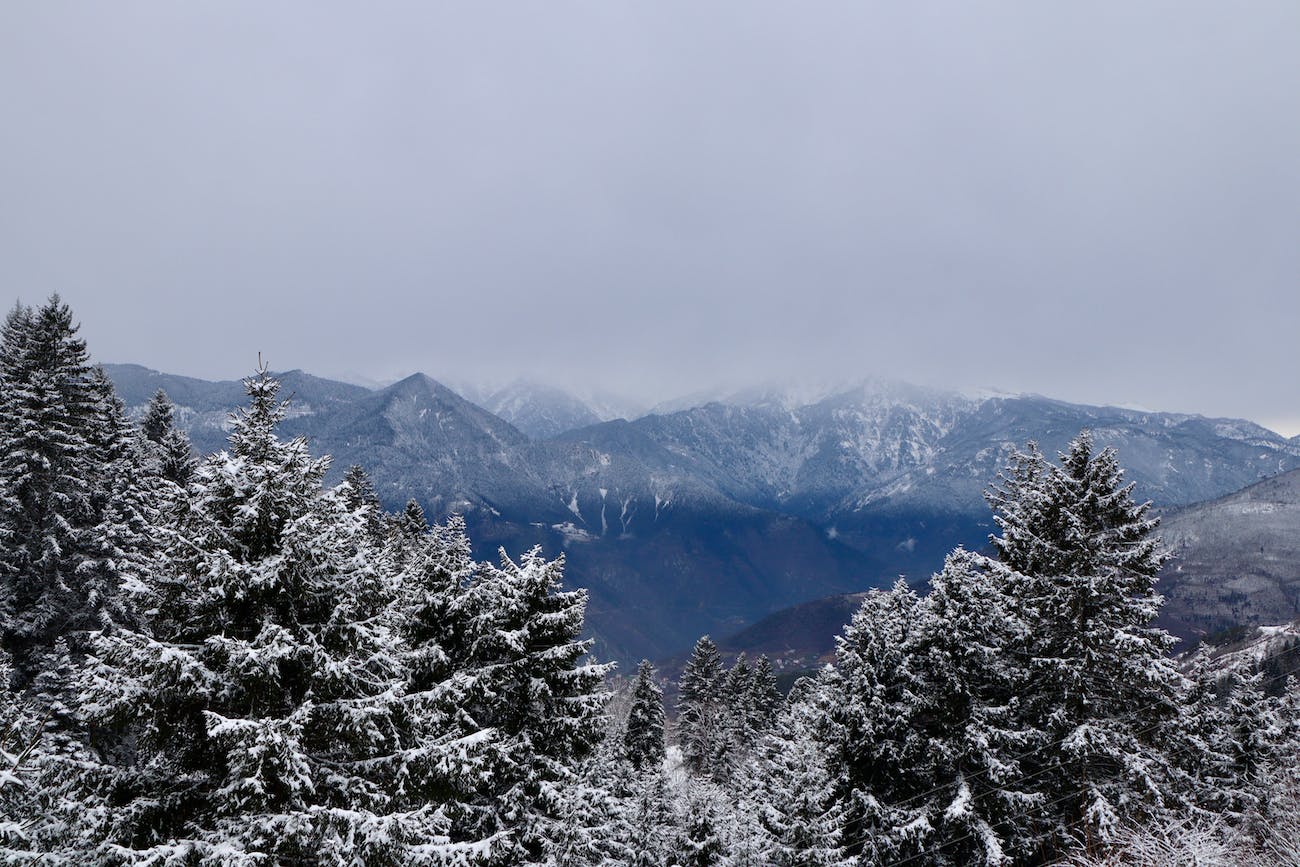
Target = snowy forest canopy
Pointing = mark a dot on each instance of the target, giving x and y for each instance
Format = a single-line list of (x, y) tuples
[(221, 661)]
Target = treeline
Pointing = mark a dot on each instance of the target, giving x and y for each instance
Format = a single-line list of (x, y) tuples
[(223, 661)]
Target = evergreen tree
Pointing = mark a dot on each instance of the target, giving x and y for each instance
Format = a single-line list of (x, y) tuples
[(1249, 741), (972, 681), (765, 700), (261, 704), (698, 710), (643, 739), (58, 442), (737, 733), (702, 842), (1199, 735), (412, 521), (177, 457), (20, 752), (360, 496), (533, 690), (652, 827), (873, 732), (1099, 687), (442, 627), (791, 790), (173, 455), (159, 417)]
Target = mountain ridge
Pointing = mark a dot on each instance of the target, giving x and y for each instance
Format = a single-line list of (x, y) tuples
[(711, 517)]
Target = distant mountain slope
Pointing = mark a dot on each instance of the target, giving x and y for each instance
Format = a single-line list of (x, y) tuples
[(797, 637), (708, 518), (419, 438), (1236, 560), (539, 411), (900, 472)]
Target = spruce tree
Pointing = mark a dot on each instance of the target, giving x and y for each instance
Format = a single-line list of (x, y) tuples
[(1099, 685), (360, 496), (58, 442), (261, 702), (873, 734), (791, 789), (534, 690), (698, 708), (702, 842), (173, 456), (972, 681), (643, 738), (765, 700), (159, 417)]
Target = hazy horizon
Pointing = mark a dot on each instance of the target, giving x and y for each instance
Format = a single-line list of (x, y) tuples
[(809, 389)]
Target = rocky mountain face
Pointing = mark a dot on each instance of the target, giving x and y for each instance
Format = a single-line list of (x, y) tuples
[(1236, 560), (705, 518), (538, 411)]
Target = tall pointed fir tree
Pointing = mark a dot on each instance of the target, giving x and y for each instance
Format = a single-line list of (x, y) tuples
[(260, 704), (1100, 685), (703, 836), (159, 417), (765, 700), (972, 680), (643, 737), (789, 789), (874, 734), (448, 751), (60, 438), (360, 496), (172, 452), (698, 707), (533, 688), (21, 752)]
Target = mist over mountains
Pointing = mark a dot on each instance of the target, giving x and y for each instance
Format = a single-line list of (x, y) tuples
[(707, 514)]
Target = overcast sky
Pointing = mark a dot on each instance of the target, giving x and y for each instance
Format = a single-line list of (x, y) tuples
[(1095, 201)]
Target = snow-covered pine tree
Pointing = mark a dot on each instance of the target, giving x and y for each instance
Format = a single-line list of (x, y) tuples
[(48, 469), (1100, 685), (159, 417), (1249, 740), (445, 751), (412, 521), (872, 732), (173, 455), (789, 789), (533, 689), (971, 683), (765, 700), (703, 836), (406, 535), (643, 738), (178, 460), (698, 709), (651, 826), (1198, 734), (20, 753), (127, 497), (737, 734), (261, 705), (360, 496)]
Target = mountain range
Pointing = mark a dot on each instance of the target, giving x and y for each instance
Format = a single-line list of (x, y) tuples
[(707, 514)]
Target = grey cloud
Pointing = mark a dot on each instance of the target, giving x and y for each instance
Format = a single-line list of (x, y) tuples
[(1098, 201)]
